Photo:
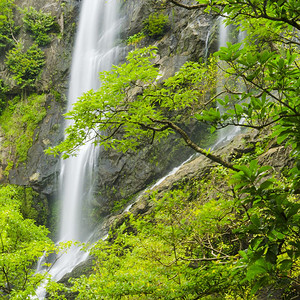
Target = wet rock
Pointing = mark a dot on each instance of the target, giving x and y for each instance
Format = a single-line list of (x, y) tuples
[(41, 170)]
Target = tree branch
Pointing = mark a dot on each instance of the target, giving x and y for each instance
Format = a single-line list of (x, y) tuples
[(189, 7), (258, 12), (194, 146), (206, 259)]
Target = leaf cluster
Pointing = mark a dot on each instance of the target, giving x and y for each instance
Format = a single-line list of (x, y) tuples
[(39, 24), (25, 66), (132, 106), (19, 120), (7, 25), (21, 244), (156, 24), (272, 221)]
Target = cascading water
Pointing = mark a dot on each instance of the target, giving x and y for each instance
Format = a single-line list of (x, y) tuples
[(226, 35), (94, 52)]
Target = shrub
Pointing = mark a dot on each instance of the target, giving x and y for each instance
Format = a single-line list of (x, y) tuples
[(7, 27), (156, 25), (25, 66), (19, 121), (39, 24), (135, 39)]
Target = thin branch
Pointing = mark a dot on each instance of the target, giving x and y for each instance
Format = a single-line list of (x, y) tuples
[(206, 259), (270, 94), (258, 127), (148, 127), (213, 98), (189, 7), (112, 134), (6, 279)]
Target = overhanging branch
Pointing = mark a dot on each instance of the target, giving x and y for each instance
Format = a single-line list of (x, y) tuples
[(194, 146)]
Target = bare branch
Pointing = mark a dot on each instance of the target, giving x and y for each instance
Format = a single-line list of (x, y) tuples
[(189, 7)]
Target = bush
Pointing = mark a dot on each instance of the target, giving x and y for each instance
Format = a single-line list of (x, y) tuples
[(40, 25), (25, 66), (135, 39), (22, 244), (19, 121), (7, 27), (156, 25)]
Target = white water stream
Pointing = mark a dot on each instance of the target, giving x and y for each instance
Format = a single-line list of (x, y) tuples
[(228, 133), (94, 52)]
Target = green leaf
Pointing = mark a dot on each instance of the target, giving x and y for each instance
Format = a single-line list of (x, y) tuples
[(254, 271), (255, 220), (266, 184), (285, 265)]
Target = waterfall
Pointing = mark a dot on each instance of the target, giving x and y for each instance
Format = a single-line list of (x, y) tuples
[(232, 35), (94, 51)]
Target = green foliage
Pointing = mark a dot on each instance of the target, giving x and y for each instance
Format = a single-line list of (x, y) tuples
[(110, 110), (135, 39), (272, 221), (21, 244), (19, 120), (3, 90), (7, 27), (173, 253), (156, 25), (202, 240), (269, 70), (39, 24), (31, 206), (25, 66), (118, 205)]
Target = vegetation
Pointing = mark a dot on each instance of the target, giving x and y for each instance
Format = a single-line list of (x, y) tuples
[(138, 120), (18, 121), (21, 244), (135, 39), (231, 234), (7, 25), (25, 66), (203, 240), (156, 25), (39, 24), (3, 90), (244, 239)]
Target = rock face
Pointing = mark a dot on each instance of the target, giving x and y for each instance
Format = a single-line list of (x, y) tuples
[(185, 39), (198, 167), (41, 170), (121, 176)]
